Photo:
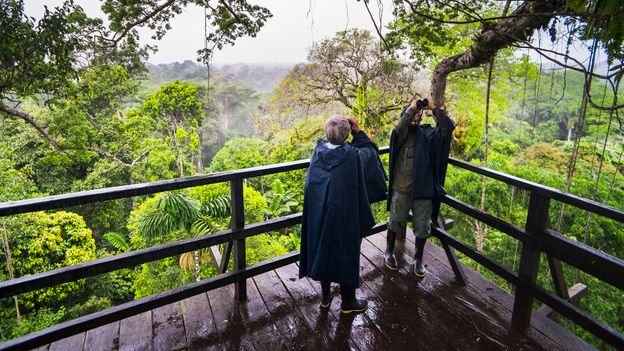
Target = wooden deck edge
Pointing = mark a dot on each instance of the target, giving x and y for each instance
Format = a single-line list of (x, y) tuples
[(539, 323)]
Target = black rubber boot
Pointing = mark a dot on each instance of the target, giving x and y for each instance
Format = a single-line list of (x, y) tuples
[(419, 268), (349, 303), (325, 294), (389, 254)]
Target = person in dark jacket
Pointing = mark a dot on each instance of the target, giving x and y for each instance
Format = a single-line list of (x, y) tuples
[(337, 212), (418, 160)]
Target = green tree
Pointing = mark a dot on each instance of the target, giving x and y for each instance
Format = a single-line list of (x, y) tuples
[(178, 113), (353, 70), (41, 242), (42, 59)]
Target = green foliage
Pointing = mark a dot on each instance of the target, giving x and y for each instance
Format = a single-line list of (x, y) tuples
[(41, 242), (39, 57), (281, 201), (170, 212), (239, 153), (118, 241)]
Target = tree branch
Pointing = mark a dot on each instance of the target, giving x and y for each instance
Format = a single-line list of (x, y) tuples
[(501, 35), (31, 120), (375, 24), (120, 35), (519, 15)]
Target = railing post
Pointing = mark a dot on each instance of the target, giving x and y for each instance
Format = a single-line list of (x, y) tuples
[(536, 223), (238, 222)]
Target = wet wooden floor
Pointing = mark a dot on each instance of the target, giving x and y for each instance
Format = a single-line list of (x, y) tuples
[(282, 313)]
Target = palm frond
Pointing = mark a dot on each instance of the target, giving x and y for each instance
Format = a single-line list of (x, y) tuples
[(218, 206), (154, 223), (202, 226), (118, 241), (187, 262), (172, 211)]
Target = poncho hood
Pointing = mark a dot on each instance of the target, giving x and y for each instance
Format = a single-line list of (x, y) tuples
[(331, 158)]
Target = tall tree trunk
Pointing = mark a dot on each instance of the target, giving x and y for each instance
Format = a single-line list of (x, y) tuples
[(518, 27), (196, 258), (7, 255)]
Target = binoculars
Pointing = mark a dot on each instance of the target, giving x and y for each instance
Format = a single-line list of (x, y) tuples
[(420, 104)]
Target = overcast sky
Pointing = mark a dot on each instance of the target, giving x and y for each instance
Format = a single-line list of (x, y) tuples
[(286, 37), (295, 25)]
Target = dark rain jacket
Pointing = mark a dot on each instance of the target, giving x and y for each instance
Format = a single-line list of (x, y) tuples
[(375, 176), (336, 214), (431, 151)]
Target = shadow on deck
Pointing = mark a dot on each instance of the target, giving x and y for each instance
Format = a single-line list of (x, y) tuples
[(282, 313)]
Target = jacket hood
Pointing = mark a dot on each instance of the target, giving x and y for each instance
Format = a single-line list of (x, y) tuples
[(331, 158)]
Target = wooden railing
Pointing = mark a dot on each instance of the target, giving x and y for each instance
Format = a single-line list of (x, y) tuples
[(536, 238)]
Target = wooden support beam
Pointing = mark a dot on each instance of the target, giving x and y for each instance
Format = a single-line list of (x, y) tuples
[(238, 222), (225, 258), (216, 257), (575, 293), (450, 255), (556, 272), (536, 223)]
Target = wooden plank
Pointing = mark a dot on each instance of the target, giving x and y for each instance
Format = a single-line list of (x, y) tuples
[(391, 310), (103, 338), (135, 333), (358, 327), (586, 258), (74, 343), (259, 323), (441, 316), (322, 323), (124, 191), (544, 191), (565, 308), (168, 328), (127, 309), (232, 332), (225, 258), (199, 326), (543, 331), (601, 265), (286, 314)]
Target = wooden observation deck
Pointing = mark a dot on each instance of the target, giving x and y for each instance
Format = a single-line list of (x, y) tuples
[(282, 313), (266, 307)]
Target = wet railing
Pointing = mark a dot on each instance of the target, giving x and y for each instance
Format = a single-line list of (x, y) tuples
[(536, 237)]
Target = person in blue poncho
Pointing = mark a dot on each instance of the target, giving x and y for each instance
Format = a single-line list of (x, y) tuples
[(418, 160), (336, 209)]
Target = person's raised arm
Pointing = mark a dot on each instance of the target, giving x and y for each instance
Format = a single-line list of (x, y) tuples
[(441, 117), (359, 136), (407, 116)]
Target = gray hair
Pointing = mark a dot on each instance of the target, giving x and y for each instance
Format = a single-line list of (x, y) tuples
[(337, 129)]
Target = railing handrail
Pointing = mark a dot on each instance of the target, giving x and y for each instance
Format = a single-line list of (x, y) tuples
[(125, 191), (546, 191)]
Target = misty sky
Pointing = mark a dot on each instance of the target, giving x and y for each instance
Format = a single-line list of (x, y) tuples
[(295, 25), (286, 37)]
